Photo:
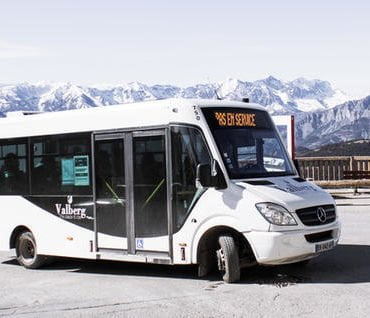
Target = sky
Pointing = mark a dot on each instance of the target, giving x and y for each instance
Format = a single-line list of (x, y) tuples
[(185, 42)]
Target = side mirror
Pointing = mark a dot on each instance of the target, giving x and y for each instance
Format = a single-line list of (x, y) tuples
[(210, 176), (204, 177), (296, 165)]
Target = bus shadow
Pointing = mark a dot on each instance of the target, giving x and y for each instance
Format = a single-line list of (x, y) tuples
[(137, 269), (346, 264), (103, 267)]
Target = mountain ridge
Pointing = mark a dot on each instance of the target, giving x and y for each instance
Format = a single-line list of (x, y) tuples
[(279, 96), (313, 102)]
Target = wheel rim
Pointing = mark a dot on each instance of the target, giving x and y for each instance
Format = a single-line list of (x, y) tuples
[(27, 250)]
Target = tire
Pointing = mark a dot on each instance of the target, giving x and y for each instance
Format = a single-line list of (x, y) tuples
[(228, 259), (26, 251)]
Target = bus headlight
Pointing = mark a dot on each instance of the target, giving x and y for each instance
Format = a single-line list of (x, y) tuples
[(276, 214)]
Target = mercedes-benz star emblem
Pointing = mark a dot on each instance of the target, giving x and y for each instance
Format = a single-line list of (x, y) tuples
[(321, 214)]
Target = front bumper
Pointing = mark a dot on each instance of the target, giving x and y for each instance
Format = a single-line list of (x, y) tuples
[(275, 248)]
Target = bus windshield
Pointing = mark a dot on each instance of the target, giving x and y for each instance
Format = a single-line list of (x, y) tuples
[(248, 143)]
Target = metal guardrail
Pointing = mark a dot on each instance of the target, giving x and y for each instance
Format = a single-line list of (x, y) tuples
[(331, 168)]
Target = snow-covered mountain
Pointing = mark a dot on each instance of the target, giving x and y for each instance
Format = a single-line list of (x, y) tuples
[(348, 121), (298, 97), (295, 96)]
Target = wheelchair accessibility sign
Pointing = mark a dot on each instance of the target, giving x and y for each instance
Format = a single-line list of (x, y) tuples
[(139, 243)]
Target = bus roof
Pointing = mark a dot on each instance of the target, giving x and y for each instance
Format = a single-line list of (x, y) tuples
[(133, 115)]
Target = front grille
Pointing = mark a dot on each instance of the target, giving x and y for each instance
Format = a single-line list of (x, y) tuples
[(319, 237), (311, 216)]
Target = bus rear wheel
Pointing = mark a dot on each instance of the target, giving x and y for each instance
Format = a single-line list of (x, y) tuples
[(26, 251), (228, 259)]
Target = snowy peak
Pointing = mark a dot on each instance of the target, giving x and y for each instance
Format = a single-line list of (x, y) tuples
[(348, 121), (299, 95), (319, 119), (273, 82), (64, 96), (316, 89), (233, 89)]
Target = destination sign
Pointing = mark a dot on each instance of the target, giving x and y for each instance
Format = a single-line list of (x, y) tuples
[(235, 119)]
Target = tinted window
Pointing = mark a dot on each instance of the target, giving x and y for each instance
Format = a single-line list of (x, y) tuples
[(150, 193), (110, 188), (61, 165), (188, 150), (13, 167), (248, 142)]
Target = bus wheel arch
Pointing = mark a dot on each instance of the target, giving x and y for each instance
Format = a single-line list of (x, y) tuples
[(211, 250), (25, 246), (16, 232)]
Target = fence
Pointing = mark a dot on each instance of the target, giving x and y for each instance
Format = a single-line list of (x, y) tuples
[(331, 168)]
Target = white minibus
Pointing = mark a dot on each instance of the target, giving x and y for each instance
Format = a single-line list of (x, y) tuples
[(174, 181)]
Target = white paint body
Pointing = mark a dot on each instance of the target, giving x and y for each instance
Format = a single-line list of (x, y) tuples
[(233, 207)]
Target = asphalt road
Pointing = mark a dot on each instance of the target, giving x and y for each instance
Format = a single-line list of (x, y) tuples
[(337, 284)]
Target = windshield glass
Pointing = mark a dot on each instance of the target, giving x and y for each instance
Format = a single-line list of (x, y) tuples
[(248, 142)]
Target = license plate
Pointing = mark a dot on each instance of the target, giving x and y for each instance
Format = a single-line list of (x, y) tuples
[(324, 246)]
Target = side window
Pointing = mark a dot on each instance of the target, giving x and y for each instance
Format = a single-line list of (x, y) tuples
[(188, 150), (273, 156), (13, 167), (61, 165), (247, 156), (150, 193)]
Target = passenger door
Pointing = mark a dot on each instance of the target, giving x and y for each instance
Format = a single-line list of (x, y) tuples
[(110, 192), (150, 191), (131, 200)]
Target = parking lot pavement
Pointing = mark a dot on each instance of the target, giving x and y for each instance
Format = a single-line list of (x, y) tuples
[(336, 284)]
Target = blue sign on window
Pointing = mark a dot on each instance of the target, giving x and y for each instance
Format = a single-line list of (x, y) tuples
[(68, 176), (75, 171), (81, 165)]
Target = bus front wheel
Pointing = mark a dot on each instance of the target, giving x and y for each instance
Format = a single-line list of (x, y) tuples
[(26, 251), (228, 259)]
